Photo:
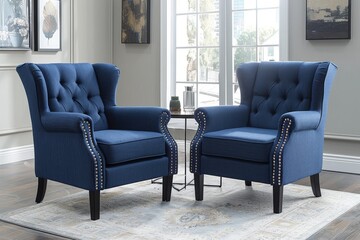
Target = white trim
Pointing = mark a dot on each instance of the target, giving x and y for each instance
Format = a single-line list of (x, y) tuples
[(16, 154), (112, 32), (342, 137), (72, 31), (341, 163), (165, 50), (15, 131), (284, 30), (7, 67)]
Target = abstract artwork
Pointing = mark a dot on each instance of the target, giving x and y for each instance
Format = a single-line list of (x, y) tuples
[(135, 21), (48, 25), (328, 19), (14, 24)]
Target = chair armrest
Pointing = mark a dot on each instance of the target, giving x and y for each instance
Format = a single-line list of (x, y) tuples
[(137, 118), (222, 117), (298, 147), (302, 120), (214, 119), (64, 121), (75, 158)]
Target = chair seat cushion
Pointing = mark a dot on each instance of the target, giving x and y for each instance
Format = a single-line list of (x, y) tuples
[(120, 146), (249, 144)]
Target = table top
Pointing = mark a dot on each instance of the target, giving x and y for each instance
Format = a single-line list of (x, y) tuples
[(182, 114)]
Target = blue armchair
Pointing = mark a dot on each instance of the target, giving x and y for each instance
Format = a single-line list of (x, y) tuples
[(275, 136), (83, 139)]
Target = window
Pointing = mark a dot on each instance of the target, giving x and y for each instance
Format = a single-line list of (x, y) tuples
[(207, 39)]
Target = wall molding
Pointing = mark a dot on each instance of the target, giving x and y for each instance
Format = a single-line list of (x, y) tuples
[(341, 163), (16, 154), (15, 131), (342, 137), (7, 67)]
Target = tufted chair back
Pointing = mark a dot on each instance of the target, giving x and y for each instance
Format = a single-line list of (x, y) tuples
[(72, 88), (271, 89)]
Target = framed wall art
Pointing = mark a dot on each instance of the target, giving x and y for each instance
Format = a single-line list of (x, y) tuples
[(47, 26), (328, 19), (15, 25), (135, 27)]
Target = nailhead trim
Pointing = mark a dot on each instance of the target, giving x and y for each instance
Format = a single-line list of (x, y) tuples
[(284, 135), (194, 150), (164, 119), (87, 132)]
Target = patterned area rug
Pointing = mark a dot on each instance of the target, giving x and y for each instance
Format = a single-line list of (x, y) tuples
[(231, 212)]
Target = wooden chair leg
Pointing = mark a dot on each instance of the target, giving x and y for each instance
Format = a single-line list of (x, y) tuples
[(248, 183), (42, 183), (166, 188), (94, 204), (277, 198), (199, 186), (315, 185)]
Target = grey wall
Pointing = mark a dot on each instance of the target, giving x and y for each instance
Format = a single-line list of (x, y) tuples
[(344, 116), (139, 64), (85, 38)]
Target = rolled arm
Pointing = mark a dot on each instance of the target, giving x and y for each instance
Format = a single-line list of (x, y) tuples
[(302, 120), (64, 121), (222, 117)]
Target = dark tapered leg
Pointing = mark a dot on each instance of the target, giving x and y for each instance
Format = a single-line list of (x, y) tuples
[(94, 204), (248, 183), (42, 182), (166, 188), (277, 198), (315, 185), (199, 186)]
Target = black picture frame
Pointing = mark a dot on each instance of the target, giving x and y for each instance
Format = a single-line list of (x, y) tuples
[(15, 25), (328, 19), (135, 26), (47, 25)]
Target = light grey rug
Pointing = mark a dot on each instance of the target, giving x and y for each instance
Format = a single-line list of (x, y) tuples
[(232, 212)]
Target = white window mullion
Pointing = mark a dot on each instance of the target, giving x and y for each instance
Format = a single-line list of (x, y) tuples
[(284, 30), (166, 70), (172, 46), (226, 47), (223, 53), (229, 70)]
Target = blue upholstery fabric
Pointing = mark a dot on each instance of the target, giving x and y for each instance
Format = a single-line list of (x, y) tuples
[(286, 102), (234, 168), (120, 146), (74, 88), (75, 121), (247, 143), (280, 88), (134, 171)]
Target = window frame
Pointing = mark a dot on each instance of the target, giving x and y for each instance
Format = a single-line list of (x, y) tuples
[(167, 50)]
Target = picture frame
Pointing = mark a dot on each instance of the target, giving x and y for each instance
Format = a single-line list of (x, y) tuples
[(15, 25), (135, 27), (47, 25), (328, 19)]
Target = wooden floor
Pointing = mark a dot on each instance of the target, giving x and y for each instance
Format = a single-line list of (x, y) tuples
[(18, 188)]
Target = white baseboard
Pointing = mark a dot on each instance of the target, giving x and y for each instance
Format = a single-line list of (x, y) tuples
[(16, 154), (341, 163)]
